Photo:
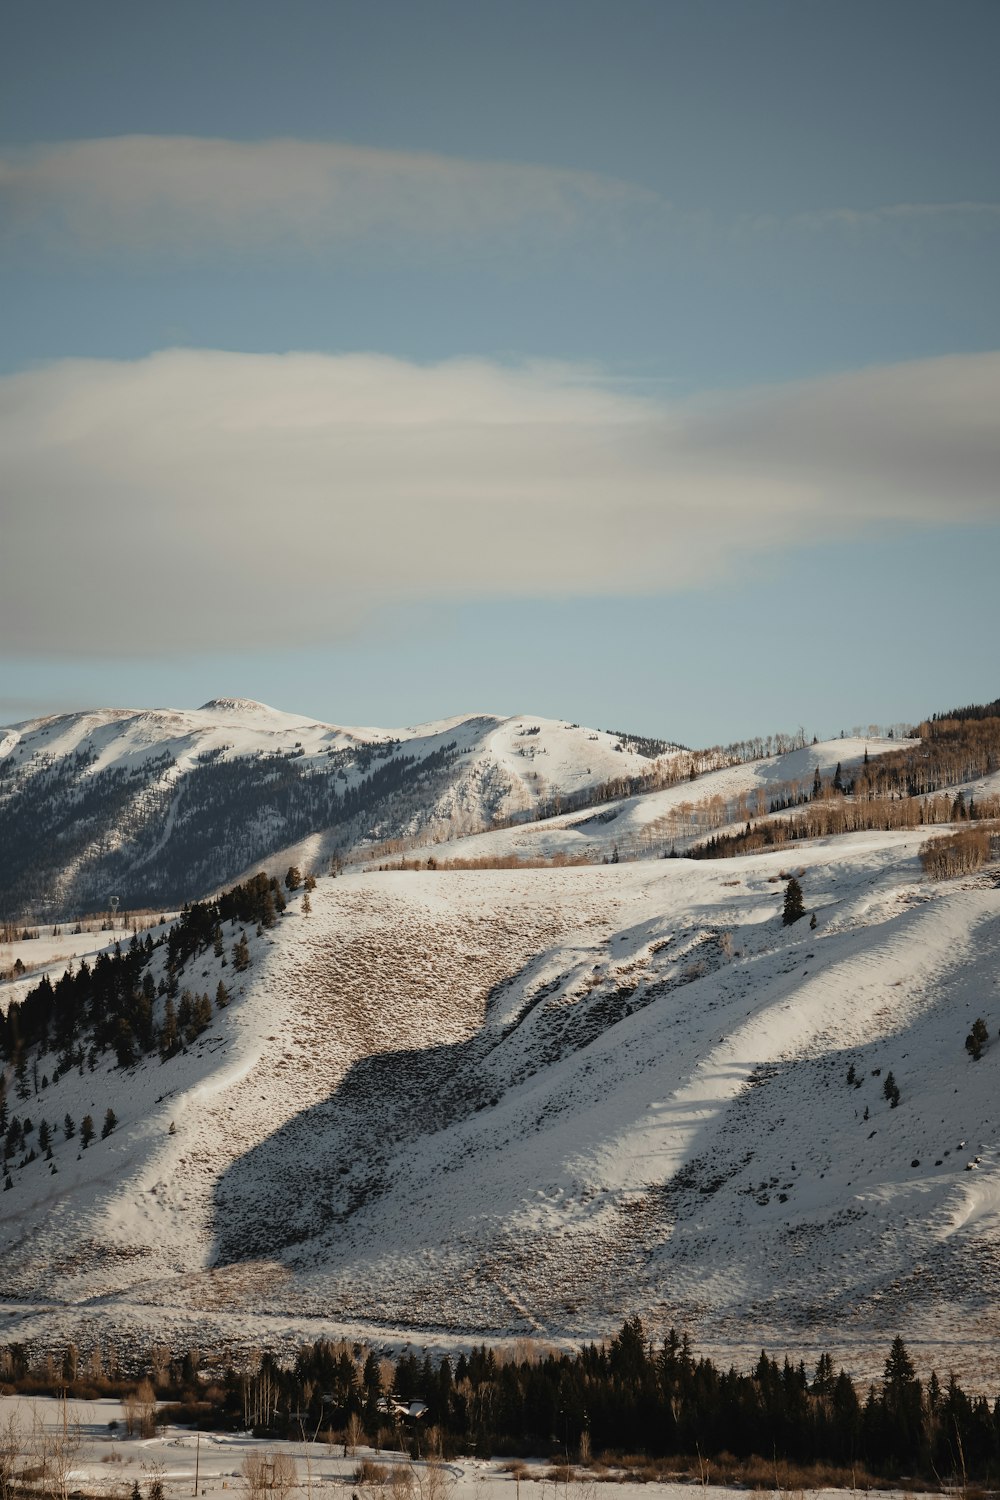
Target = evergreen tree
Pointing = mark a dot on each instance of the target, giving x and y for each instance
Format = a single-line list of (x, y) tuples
[(293, 878), (110, 1121), (86, 1131), (977, 1039), (794, 906), (241, 954), (124, 1044), (69, 1129), (902, 1403), (221, 996), (168, 1031), (890, 1089)]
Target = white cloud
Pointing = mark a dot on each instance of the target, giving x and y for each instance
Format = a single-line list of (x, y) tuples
[(198, 498), (190, 196)]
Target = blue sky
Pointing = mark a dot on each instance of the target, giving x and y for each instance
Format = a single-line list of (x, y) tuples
[(638, 362)]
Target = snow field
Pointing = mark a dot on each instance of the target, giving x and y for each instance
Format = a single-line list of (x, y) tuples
[(488, 1103), (106, 1462)]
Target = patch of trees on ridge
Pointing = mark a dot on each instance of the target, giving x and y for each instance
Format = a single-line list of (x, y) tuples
[(112, 1004), (973, 711), (905, 788), (644, 744)]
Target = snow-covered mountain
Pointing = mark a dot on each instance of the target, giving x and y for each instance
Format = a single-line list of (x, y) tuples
[(162, 806), (448, 1104), (437, 1098)]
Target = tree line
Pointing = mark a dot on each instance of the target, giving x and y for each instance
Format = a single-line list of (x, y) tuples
[(629, 1395)]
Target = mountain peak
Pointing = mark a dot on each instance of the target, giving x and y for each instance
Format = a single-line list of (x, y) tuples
[(235, 705)]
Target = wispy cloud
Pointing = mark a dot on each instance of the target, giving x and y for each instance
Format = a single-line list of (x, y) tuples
[(199, 498), (192, 196)]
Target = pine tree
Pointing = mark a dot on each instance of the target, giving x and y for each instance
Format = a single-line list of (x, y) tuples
[(69, 1129), (241, 954), (306, 904), (110, 1121), (221, 996), (794, 906), (977, 1039), (901, 1397), (168, 1031), (890, 1089), (293, 878), (86, 1131), (124, 1044)]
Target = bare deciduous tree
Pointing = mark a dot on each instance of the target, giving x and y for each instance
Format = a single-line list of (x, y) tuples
[(268, 1475)]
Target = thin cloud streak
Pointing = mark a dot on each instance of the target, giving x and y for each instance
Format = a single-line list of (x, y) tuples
[(202, 499), (193, 196)]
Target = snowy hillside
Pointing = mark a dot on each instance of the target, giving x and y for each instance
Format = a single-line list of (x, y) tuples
[(447, 1104), (161, 806), (671, 819)]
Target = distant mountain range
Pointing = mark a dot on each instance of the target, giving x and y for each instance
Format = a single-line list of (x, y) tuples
[(162, 806)]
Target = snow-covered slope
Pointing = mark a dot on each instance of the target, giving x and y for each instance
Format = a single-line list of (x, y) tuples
[(673, 818), (161, 806), (484, 1102)]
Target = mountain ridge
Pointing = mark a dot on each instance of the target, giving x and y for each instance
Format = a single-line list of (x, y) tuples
[(161, 806)]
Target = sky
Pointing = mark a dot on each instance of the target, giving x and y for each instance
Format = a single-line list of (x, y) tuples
[(631, 363)]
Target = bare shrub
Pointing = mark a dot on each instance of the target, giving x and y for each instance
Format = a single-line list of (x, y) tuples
[(560, 1474), (10, 1454), (374, 1475), (400, 1482), (354, 1434), (435, 1480), (268, 1474), (960, 853), (140, 1411), (54, 1452)]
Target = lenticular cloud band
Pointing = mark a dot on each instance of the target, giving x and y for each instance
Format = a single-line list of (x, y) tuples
[(289, 496)]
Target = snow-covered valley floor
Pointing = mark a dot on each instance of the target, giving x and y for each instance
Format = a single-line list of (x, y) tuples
[(445, 1106), (87, 1446)]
